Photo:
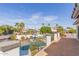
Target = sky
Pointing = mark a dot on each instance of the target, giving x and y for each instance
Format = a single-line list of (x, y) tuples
[(34, 14)]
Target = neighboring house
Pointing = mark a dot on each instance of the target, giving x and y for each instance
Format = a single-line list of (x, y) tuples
[(18, 37), (9, 48), (70, 35), (4, 37), (31, 31), (54, 29), (75, 16), (13, 47)]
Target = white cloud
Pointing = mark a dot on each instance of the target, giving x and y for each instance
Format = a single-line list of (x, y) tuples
[(35, 16), (34, 20), (10, 21), (39, 16), (15, 20), (50, 18)]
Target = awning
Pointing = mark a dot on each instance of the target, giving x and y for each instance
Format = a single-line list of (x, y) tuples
[(76, 22), (75, 13)]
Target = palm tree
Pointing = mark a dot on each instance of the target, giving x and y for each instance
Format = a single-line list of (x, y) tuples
[(57, 25), (48, 24), (20, 26), (43, 24), (17, 25)]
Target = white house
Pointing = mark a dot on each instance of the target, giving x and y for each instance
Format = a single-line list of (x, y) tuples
[(9, 48), (75, 16), (13, 48)]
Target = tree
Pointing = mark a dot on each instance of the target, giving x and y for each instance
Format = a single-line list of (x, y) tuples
[(48, 24), (42, 24), (31, 31), (1, 31), (45, 29), (4, 28), (71, 30), (7, 29), (20, 26), (13, 37), (60, 29)]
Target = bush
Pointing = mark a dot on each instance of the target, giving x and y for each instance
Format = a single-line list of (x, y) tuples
[(34, 52), (62, 33), (13, 37), (33, 47), (23, 38), (71, 30)]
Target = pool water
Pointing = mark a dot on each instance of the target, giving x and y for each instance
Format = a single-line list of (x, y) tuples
[(39, 44), (24, 50)]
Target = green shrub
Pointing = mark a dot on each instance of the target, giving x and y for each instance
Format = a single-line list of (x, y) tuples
[(22, 38), (34, 52), (62, 33), (33, 47), (13, 37)]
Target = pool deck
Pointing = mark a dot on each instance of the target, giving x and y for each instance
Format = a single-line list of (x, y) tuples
[(65, 47)]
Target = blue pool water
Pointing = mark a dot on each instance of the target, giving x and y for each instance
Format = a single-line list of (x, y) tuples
[(38, 44), (24, 50)]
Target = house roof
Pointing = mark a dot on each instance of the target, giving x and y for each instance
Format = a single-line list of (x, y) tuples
[(4, 36), (8, 45)]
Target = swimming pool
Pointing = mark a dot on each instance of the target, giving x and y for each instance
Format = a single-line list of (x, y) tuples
[(24, 50)]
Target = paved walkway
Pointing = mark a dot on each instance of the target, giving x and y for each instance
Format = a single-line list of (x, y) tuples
[(65, 47)]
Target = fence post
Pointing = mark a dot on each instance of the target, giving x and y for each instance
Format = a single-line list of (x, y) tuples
[(56, 36), (48, 39), (29, 52)]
